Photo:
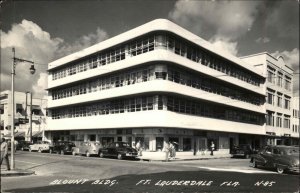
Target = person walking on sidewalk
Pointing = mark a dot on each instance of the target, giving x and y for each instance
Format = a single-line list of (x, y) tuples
[(139, 149), (212, 148), (4, 153)]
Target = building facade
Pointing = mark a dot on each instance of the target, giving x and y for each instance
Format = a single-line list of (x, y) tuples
[(23, 120), (156, 83), (279, 98), (295, 132)]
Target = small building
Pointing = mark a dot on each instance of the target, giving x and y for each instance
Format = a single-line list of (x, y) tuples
[(22, 115), (279, 95)]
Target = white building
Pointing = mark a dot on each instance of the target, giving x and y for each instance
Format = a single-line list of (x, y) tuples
[(279, 93), (295, 121), (156, 83), (22, 115)]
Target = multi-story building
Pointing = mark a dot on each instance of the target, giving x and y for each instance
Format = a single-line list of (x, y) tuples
[(156, 83), (23, 120), (295, 121), (278, 88)]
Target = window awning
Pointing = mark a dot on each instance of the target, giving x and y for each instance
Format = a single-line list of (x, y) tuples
[(36, 107), (2, 107), (37, 134)]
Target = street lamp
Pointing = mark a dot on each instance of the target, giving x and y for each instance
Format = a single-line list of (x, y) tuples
[(32, 71)]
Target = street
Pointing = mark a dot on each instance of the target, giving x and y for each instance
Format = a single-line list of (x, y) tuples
[(57, 173)]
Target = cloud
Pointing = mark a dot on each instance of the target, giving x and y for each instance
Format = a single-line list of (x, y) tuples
[(32, 43), (225, 45), (262, 40), (292, 58), (216, 19)]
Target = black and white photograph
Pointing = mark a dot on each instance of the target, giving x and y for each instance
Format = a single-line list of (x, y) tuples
[(149, 96)]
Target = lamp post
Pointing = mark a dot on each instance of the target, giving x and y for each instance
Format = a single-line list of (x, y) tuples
[(32, 71), (30, 116)]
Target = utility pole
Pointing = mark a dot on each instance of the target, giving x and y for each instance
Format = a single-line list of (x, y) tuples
[(13, 70)]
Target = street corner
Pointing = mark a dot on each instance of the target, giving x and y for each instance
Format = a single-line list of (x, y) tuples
[(16, 172)]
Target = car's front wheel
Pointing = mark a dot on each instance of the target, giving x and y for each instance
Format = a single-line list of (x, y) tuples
[(253, 163), (120, 156), (101, 154), (279, 169)]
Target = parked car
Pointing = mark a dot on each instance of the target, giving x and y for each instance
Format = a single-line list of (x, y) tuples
[(282, 158), (243, 150), (61, 147), (119, 150), (87, 148), (40, 146), (23, 145)]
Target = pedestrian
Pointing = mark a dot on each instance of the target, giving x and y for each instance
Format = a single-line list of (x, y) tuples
[(4, 153), (212, 148), (167, 150), (172, 150), (15, 144), (139, 149)]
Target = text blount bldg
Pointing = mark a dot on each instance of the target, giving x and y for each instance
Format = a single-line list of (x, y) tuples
[(156, 83)]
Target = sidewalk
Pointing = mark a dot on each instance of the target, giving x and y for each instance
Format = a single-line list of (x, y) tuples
[(15, 172), (180, 156)]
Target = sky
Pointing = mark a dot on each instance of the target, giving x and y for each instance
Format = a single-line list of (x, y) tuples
[(43, 31)]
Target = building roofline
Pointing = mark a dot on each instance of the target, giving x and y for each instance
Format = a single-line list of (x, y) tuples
[(155, 25)]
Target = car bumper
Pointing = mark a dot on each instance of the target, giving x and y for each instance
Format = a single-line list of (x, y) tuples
[(294, 169), (131, 155)]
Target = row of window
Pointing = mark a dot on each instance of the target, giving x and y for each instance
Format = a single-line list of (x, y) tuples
[(146, 74), (278, 99), (279, 120), (157, 41), (157, 102), (277, 78), (181, 105), (181, 47), (104, 83)]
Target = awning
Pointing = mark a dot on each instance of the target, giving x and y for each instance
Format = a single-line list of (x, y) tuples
[(2, 107), (18, 134), (37, 134), (36, 107)]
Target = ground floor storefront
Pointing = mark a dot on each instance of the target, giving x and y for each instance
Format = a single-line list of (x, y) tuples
[(156, 139)]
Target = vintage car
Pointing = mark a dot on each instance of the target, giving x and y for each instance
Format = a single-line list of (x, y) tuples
[(119, 150), (61, 147), (40, 146), (86, 148), (23, 145), (243, 150), (282, 158)]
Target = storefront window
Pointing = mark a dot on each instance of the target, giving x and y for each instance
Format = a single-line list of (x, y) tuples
[(187, 144)]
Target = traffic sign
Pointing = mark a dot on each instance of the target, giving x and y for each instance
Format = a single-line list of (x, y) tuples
[(23, 121)]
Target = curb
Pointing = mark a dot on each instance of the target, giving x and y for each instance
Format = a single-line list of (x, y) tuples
[(182, 159), (17, 172)]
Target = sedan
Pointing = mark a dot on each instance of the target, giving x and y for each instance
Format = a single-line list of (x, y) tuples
[(119, 150), (40, 146), (61, 147), (243, 150), (87, 148), (282, 158), (23, 145)]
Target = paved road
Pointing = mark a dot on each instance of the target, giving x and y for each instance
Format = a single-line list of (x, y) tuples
[(56, 173)]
